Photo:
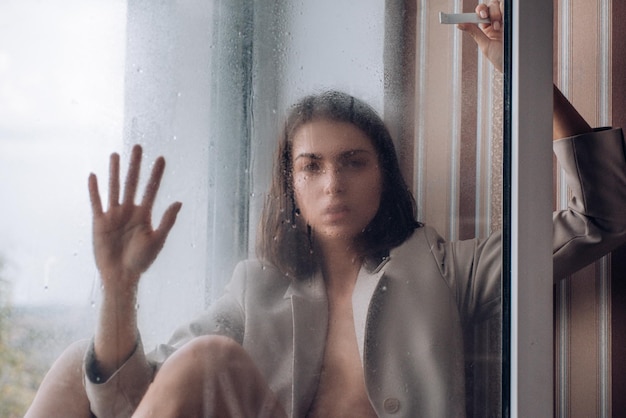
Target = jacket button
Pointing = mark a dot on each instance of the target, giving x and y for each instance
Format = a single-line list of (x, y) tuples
[(391, 405)]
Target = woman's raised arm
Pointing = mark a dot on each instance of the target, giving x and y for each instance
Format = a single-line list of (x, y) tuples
[(489, 38), (125, 245)]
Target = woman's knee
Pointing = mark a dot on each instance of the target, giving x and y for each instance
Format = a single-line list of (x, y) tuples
[(68, 367), (210, 376), (191, 376), (217, 345), (73, 356), (209, 354), (62, 392)]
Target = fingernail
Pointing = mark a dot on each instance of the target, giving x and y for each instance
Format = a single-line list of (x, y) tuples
[(483, 14), (496, 25)]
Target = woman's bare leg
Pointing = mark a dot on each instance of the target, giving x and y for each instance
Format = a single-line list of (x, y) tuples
[(210, 376), (61, 393)]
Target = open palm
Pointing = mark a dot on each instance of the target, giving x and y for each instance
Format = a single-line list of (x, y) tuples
[(125, 243)]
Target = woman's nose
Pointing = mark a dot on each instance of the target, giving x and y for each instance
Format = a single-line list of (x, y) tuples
[(334, 181)]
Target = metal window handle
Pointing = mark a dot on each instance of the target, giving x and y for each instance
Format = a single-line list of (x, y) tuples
[(454, 18)]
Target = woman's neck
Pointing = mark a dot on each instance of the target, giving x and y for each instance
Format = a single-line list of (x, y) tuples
[(341, 263)]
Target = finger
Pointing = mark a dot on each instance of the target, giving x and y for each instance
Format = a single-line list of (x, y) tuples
[(94, 195), (493, 11), (495, 14), (482, 10), (114, 180), (132, 177), (153, 183), (167, 221), (479, 36)]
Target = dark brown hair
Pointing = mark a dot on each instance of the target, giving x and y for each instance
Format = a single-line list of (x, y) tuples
[(284, 239)]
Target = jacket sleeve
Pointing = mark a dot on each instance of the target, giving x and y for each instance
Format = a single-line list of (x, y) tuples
[(595, 221), (119, 396), (593, 224)]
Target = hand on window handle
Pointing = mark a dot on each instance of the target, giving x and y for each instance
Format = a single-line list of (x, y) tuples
[(489, 36)]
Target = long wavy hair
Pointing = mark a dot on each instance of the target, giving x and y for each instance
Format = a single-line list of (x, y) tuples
[(284, 239)]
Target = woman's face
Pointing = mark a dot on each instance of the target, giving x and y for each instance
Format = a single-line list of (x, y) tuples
[(337, 178)]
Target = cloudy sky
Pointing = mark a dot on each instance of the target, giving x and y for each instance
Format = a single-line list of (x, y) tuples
[(61, 95)]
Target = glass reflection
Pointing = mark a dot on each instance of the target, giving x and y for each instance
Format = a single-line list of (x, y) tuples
[(207, 85)]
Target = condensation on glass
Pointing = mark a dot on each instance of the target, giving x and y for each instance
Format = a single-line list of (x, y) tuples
[(206, 84)]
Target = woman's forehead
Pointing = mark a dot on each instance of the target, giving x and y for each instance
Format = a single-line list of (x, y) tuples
[(329, 137)]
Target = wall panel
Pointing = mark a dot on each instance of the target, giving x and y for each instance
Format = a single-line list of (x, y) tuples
[(588, 71)]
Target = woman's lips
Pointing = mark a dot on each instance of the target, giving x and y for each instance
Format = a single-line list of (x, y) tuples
[(336, 212)]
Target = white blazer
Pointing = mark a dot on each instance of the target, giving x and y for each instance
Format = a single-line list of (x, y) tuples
[(410, 310)]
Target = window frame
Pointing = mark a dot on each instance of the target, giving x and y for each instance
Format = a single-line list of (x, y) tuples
[(529, 91)]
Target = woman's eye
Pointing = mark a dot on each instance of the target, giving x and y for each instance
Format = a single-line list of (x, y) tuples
[(311, 167), (356, 163)]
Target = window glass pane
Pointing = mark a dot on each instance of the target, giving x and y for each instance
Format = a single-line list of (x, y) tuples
[(208, 85), (61, 110)]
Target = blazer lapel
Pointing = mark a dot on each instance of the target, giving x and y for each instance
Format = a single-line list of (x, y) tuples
[(366, 284), (310, 322)]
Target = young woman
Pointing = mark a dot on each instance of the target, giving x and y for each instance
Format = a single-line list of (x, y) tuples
[(352, 308)]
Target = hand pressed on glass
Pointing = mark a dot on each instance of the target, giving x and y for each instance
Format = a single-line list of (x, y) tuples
[(125, 243)]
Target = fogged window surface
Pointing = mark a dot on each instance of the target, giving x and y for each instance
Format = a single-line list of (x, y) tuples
[(207, 85)]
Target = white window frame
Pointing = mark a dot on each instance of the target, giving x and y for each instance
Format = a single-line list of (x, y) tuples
[(531, 380)]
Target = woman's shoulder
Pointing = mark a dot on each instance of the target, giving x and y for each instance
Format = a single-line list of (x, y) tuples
[(258, 276), (418, 248), (426, 254), (425, 236), (427, 240)]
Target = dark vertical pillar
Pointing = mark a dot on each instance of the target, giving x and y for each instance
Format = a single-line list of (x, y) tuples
[(618, 258)]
